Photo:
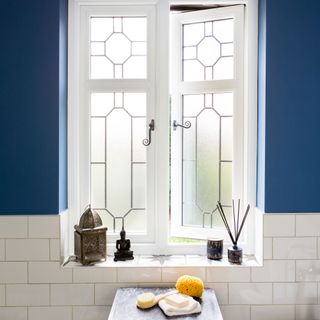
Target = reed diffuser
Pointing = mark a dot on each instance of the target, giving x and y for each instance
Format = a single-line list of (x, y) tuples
[(234, 252)]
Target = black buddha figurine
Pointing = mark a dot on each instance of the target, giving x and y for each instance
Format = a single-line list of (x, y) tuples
[(123, 248)]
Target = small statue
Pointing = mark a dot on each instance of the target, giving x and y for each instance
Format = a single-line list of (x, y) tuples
[(123, 248)]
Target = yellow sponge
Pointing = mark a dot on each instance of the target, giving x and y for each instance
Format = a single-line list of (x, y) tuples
[(191, 286)]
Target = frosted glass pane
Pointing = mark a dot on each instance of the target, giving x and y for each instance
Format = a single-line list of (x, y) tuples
[(118, 99), (208, 73), (98, 135), (192, 216), (223, 30), (98, 185), (208, 160), (227, 49), (217, 221), (101, 103), (117, 24), (192, 104), (136, 221), (208, 51), (135, 28), (226, 138), (189, 141), (139, 152), (101, 68), (192, 33), (135, 103), (107, 219), (190, 52), (139, 185), (208, 100), (223, 103), (208, 28), (118, 162), (226, 182), (193, 70), (135, 67), (223, 69), (207, 220), (139, 48), (118, 48), (189, 182), (97, 48), (101, 28)]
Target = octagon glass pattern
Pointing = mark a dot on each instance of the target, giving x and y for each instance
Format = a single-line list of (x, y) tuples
[(118, 159), (207, 51), (118, 47), (207, 158)]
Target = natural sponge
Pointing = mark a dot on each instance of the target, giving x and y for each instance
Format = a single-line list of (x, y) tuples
[(191, 286)]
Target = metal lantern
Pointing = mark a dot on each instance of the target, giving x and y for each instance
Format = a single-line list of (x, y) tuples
[(90, 243)]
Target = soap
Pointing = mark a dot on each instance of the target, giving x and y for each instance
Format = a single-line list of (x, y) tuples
[(146, 300), (178, 300)]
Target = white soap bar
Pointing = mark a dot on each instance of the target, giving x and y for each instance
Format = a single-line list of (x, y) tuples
[(178, 300)]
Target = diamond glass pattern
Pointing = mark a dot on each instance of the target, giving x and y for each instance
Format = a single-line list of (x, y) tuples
[(118, 47), (118, 159), (208, 50), (207, 157)]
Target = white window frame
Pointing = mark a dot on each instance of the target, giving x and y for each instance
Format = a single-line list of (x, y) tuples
[(78, 157), (181, 87)]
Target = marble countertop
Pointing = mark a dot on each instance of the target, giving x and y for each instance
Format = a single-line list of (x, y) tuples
[(124, 306)]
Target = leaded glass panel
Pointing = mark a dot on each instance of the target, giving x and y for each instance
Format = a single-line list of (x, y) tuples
[(118, 159), (118, 47), (208, 50), (206, 157)]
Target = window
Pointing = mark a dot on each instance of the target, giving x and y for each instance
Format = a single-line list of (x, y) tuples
[(158, 122)]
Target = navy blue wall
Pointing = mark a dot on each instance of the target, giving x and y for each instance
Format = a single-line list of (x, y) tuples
[(290, 154), (33, 106)]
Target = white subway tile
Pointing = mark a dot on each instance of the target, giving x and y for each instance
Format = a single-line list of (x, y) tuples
[(272, 312), (2, 295), (139, 274), (13, 272), (49, 272), (279, 225), (14, 313), (294, 248), (307, 312), (308, 225), (54, 249), (50, 313), (221, 291), (171, 274), (27, 294), (44, 226), (274, 271), (105, 293), (308, 270), (27, 249), (72, 294), (94, 274), (228, 274), (235, 312), (267, 248), (13, 226), (295, 293), (91, 313), (250, 293), (2, 250)]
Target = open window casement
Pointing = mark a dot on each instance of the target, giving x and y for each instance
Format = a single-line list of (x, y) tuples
[(206, 93)]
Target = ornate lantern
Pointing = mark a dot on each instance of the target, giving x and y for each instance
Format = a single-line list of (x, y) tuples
[(90, 243)]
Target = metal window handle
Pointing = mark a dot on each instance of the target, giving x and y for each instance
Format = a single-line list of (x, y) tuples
[(186, 125), (146, 142)]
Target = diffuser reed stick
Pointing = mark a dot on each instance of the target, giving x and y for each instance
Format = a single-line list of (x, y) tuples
[(237, 231)]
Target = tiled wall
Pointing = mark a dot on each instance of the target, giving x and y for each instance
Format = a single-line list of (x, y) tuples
[(35, 287)]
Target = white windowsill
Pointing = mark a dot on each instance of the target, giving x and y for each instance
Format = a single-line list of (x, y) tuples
[(169, 261)]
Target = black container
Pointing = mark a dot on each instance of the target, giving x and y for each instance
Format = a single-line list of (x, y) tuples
[(214, 248), (235, 255)]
